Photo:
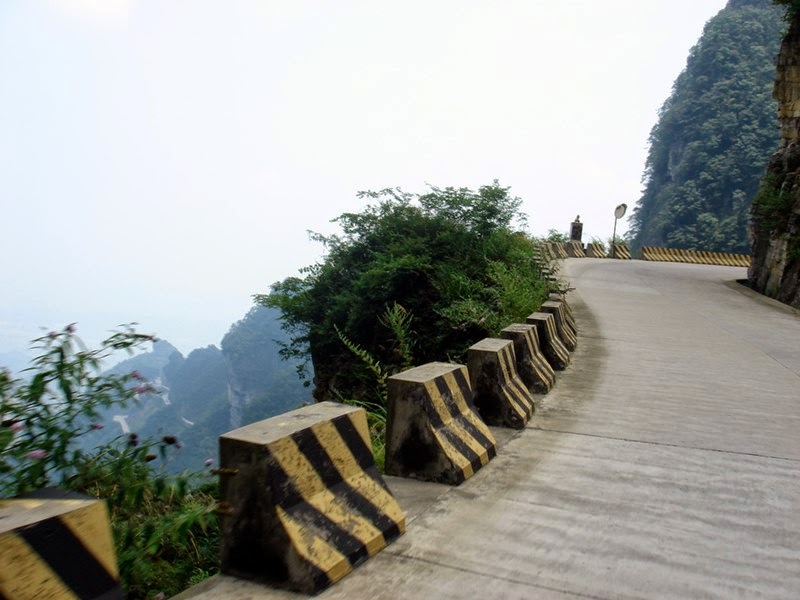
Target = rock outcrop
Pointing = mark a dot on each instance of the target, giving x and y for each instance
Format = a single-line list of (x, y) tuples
[(775, 212)]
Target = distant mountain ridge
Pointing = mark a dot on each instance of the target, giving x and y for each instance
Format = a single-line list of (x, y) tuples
[(210, 391)]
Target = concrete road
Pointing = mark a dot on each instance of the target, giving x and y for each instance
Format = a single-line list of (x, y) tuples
[(664, 464)]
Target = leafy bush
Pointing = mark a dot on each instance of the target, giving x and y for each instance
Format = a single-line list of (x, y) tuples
[(164, 527), (449, 258)]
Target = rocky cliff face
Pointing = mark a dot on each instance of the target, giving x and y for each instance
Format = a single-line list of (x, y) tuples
[(775, 212)]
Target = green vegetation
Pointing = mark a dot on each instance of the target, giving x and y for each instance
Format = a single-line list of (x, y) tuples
[(714, 136), (164, 527), (412, 279)]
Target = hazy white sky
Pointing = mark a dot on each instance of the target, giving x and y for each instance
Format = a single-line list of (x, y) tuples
[(161, 161)]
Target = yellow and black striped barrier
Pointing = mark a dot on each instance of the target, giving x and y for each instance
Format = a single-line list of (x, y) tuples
[(564, 331), (557, 250), (500, 396), (552, 348), (562, 298), (57, 548), (532, 366), (301, 498), (433, 431), (574, 249), (620, 251), (595, 250), (698, 257)]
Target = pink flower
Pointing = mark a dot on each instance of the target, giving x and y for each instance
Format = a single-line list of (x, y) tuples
[(209, 462), (137, 376), (143, 389), (96, 426), (17, 426), (37, 454), (70, 328)]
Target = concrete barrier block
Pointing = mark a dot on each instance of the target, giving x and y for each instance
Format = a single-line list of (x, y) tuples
[(433, 431), (620, 251), (55, 545), (304, 503), (532, 366), (570, 316), (574, 249), (500, 395), (595, 250), (558, 250), (555, 352), (564, 331)]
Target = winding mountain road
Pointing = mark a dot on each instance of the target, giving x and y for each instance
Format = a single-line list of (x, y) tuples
[(664, 464)]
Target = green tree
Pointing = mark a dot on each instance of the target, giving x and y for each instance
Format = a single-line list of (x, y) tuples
[(450, 259), (714, 135)]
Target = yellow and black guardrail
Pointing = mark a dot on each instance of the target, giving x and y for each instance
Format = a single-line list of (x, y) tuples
[(433, 431), (698, 257), (302, 500), (499, 394), (57, 547), (532, 366)]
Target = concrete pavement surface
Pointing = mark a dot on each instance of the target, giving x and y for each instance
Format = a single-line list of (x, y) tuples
[(665, 463)]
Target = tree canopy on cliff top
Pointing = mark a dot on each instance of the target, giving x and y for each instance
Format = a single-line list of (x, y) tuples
[(714, 135), (412, 279)]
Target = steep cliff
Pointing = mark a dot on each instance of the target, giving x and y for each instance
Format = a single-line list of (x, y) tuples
[(775, 213)]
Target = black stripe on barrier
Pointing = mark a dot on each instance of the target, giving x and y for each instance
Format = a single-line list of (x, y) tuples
[(66, 555), (515, 383), (330, 476), (362, 453), (299, 509), (485, 442), (459, 444)]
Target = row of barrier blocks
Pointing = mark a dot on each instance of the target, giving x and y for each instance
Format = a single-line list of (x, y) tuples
[(302, 500), (700, 257), (574, 249)]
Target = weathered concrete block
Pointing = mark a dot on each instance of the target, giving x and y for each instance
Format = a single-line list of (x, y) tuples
[(564, 331), (570, 317), (500, 395), (303, 500), (433, 431), (57, 547), (595, 250), (574, 249), (532, 366), (555, 352)]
